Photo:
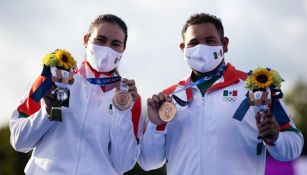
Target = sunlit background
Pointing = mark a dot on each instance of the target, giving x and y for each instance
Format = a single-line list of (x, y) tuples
[(269, 33)]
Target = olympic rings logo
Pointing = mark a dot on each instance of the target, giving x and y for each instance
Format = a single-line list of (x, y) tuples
[(229, 99)]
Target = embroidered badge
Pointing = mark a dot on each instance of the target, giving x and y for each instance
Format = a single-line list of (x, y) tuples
[(230, 96), (111, 109), (218, 54)]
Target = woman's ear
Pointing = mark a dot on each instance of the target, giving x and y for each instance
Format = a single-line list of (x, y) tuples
[(225, 43), (85, 39), (181, 45)]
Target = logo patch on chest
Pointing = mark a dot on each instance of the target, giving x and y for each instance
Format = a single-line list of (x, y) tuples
[(111, 109), (230, 95)]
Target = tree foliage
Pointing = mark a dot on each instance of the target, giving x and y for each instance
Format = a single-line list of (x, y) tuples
[(11, 162), (296, 99)]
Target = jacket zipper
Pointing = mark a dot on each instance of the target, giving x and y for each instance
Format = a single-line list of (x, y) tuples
[(82, 132), (201, 134)]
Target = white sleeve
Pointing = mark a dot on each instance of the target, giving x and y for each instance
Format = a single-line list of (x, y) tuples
[(124, 148), (26, 132), (152, 148), (288, 146)]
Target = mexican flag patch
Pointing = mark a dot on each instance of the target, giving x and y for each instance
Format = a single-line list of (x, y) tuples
[(218, 54), (233, 93)]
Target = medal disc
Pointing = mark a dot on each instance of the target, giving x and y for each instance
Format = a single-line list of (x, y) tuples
[(122, 100), (167, 111)]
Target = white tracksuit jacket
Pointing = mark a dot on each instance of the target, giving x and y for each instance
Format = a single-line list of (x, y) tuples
[(204, 139), (94, 137)]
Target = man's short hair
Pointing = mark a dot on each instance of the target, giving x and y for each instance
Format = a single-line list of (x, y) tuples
[(200, 18), (110, 18)]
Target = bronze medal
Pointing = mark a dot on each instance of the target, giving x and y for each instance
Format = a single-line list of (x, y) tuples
[(167, 111), (122, 100)]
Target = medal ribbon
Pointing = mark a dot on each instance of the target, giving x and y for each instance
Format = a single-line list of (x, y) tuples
[(202, 80), (104, 81)]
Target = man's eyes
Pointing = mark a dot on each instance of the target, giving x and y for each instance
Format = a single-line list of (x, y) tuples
[(211, 41), (100, 40), (116, 44), (193, 43)]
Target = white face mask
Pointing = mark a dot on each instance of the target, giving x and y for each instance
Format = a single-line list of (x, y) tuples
[(204, 58), (102, 59)]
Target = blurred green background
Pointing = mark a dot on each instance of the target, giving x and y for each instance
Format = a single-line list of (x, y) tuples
[(13, 163)]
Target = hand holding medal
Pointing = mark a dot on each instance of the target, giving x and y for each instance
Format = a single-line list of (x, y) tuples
[(167, 111), (160, 109), (122, 99), (127, 93), (124, 95)]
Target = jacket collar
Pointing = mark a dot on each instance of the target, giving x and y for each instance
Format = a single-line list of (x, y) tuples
[(86, 71), (230, 76)]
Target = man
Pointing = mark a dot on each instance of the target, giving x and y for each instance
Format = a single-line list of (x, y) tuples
[(203, 138), (94, 136)]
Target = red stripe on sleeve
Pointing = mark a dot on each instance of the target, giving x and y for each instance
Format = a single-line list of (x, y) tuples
[(29, 106), (161, 127), (136, 114), (285, 126)]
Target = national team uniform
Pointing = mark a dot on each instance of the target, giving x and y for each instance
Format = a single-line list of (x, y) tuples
[(205, 139), (93, 138)]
